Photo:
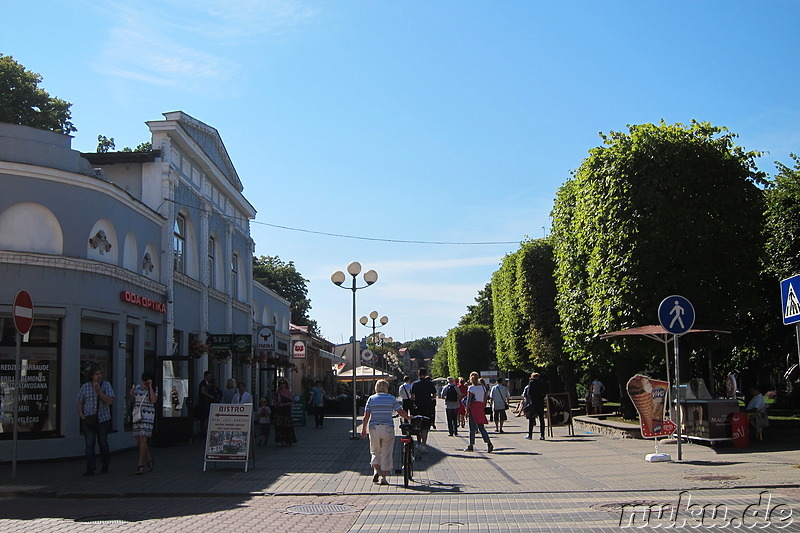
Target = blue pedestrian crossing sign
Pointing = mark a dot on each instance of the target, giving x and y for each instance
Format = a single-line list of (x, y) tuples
[(676, 314), (790, 304)]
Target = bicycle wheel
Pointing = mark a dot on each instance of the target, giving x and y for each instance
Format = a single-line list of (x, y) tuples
[(408, 463)]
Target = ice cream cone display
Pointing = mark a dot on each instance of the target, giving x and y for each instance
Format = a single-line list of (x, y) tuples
[(640, 389), (649, 396)]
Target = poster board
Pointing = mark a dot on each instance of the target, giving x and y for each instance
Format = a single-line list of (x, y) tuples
[(230, 428), (298, 411), (559, 412), (649, 396)]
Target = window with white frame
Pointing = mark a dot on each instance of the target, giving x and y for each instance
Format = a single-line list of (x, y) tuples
[(212, 273), (235, 276), (179, 244)]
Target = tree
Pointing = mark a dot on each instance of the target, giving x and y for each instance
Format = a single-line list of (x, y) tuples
[(104, 144), (782, 224), (284, 279), (525, 320), (480, 313), (427, 343), (468, 348), (659, 210), (23, 102)]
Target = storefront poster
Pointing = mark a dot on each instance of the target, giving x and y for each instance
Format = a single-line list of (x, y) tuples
[(649, 396), (228, 437), (38, 390)]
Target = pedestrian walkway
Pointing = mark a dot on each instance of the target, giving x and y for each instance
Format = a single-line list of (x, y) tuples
[(327, 461), (566, 480)]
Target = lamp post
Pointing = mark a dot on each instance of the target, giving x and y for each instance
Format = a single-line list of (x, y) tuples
[(338, 278), (364, 321)]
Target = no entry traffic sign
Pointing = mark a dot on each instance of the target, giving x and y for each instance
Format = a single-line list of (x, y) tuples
[(23, 312)]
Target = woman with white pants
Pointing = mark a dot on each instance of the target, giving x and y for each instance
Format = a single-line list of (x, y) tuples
[(378, 421)]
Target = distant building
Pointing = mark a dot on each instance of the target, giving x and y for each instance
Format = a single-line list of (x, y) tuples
[(413, 360)]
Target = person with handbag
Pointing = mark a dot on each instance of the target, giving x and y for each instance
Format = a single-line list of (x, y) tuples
[(94, 400), (476, 413), (533, 398), (499, 396), (144, 397)]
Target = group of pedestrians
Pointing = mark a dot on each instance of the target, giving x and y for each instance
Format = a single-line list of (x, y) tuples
[(467, 403), (95, 398)]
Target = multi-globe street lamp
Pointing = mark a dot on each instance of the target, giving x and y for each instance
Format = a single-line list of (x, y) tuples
[(338, 278), (374, 337)]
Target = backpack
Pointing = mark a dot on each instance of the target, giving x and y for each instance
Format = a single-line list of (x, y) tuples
[(452, 394)]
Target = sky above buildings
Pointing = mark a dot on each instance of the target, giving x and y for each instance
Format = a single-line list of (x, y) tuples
[(431, 122)]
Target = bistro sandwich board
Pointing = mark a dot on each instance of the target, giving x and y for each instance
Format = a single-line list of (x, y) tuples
[(229, 434)]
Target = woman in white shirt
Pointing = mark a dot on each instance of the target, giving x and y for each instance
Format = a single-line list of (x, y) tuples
[(476, 400)]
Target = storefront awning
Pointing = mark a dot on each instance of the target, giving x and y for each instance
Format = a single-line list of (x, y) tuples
[(332, 356), (363, 373)]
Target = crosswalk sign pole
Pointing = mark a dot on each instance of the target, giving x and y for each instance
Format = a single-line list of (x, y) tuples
[(678, 413)]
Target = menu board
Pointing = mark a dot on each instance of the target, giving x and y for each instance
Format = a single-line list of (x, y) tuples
[(228, 437)]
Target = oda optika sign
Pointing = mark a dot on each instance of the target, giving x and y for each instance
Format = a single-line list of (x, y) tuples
[(142, 301)]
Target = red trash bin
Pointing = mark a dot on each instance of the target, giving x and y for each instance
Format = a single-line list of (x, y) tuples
[(740, 428)]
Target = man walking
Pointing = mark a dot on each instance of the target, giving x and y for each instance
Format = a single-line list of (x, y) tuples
[(451, 396), (94, 400), (423, 393), (499, 396), (597, 389), (316, 401), (405, 395)]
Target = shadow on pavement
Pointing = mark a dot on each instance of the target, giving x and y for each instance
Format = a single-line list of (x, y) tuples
[(121, 509)]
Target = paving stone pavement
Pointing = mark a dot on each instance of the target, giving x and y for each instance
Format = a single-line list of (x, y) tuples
[(583, 482)]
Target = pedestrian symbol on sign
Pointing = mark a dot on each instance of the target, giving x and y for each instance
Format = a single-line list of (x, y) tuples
[(792, 304), (678, 311)]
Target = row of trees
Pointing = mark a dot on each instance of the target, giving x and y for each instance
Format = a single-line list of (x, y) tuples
[(660, 209)]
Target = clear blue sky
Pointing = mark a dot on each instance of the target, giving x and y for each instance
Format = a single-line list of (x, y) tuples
[(428, 121)]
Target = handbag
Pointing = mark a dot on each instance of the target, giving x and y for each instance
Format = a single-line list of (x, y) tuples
[(92, 421), (136, 416)]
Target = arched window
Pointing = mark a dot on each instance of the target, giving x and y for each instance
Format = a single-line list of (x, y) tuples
[(179, 244)]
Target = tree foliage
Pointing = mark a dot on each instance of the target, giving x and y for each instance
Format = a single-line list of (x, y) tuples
[(658, 210), (525, 319), (440, 366), (23, 102), (426, 343), (283, 278), (468, 348), (782, 224)]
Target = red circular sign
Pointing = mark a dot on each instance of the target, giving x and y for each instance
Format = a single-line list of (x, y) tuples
[(23, 312)]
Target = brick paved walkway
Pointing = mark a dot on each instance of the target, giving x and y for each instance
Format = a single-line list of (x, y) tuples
[(577, 482)]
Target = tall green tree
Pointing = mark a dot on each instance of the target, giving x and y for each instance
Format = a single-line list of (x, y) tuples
[(23, 102), (440, 366), (283, 278), (660, 209), (525, 321), (469, 348), (782, 225)]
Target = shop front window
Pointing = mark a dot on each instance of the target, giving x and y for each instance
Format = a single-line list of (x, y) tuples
[(39, 392)]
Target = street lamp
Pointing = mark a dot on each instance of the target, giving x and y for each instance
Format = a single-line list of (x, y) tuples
[(364, 321), (338, 278)]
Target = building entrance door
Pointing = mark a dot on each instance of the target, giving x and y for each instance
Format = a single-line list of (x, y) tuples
[(174, 422)]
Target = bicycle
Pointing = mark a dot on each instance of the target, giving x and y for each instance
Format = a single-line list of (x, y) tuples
[(410, 430)]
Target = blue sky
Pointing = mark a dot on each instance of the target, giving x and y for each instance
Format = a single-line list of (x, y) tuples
[(449, 121)]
